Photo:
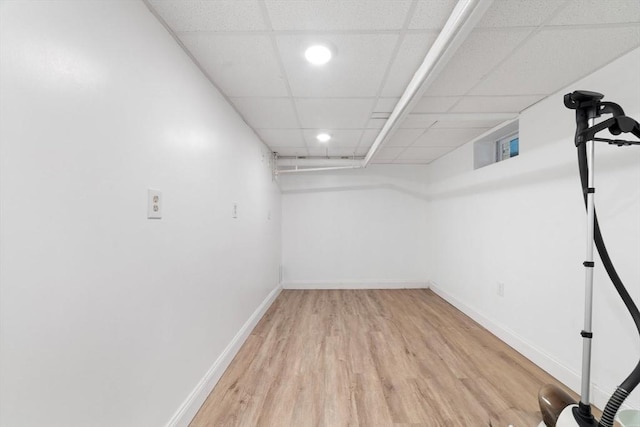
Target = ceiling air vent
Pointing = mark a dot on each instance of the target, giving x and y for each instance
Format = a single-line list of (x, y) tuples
[(380, 115)]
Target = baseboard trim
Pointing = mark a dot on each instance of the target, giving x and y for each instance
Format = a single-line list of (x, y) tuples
[(189, 408), (356, 284), (563, 373)]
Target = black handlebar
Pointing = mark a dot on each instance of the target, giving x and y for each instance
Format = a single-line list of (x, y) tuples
[(588, 105)]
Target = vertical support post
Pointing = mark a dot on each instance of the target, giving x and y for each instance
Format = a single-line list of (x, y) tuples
[(589, 265)]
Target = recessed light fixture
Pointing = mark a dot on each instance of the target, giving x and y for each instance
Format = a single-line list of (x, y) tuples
[(318, 54), (323, 137)]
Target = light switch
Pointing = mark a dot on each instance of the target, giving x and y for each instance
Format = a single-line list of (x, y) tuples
[(154, 204)]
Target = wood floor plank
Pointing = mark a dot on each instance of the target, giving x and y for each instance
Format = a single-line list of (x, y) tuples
[(327, 358)]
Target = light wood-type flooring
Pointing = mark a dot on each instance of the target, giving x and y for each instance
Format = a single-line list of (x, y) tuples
[(373, 358)]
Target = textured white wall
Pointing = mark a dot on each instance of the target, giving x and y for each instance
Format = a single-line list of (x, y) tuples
[(354, 228), (522, 222), (107, 318)]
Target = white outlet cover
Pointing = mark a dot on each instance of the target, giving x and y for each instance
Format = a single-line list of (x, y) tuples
[(154, 204)]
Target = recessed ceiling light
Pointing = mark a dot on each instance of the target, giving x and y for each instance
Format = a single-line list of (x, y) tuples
[(323, 137), (318, 54)]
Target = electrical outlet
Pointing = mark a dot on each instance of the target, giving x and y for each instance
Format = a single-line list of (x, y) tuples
[(500, 290), (154, 204), (234, 211)]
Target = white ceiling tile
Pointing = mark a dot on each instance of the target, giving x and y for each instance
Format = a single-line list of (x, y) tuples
[(340, 97), (342, 138), (478, 55), (460, 124), (518, 13), (417, 121), (598, 12), (435, 104), (423, 153), (404, 137), (267, 113), (331, 15), (495, 104), (447, 137), (385, 105), (282, 137), (431, 14), (368, 138), (388, 153), (219, 15), (412, 161), (376, 123), (357, 69), (410, 56), (538, 69), (323, 151), (334, 113), (241, 65), (290, 151)]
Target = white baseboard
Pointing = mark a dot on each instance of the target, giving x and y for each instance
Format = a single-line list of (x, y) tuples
[(194, 401), (561, 372), (356, 284)]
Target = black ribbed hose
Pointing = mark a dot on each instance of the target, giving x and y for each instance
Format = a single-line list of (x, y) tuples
[(630, 383)]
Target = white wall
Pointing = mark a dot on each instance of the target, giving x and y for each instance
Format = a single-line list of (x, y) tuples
[(108, 318), (522, 222), (354, 228)]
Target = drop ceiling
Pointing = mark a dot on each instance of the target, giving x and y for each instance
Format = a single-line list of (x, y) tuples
[(520, 52)]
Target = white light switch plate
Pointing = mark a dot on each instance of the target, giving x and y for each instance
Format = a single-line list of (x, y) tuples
[(154, 204)]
